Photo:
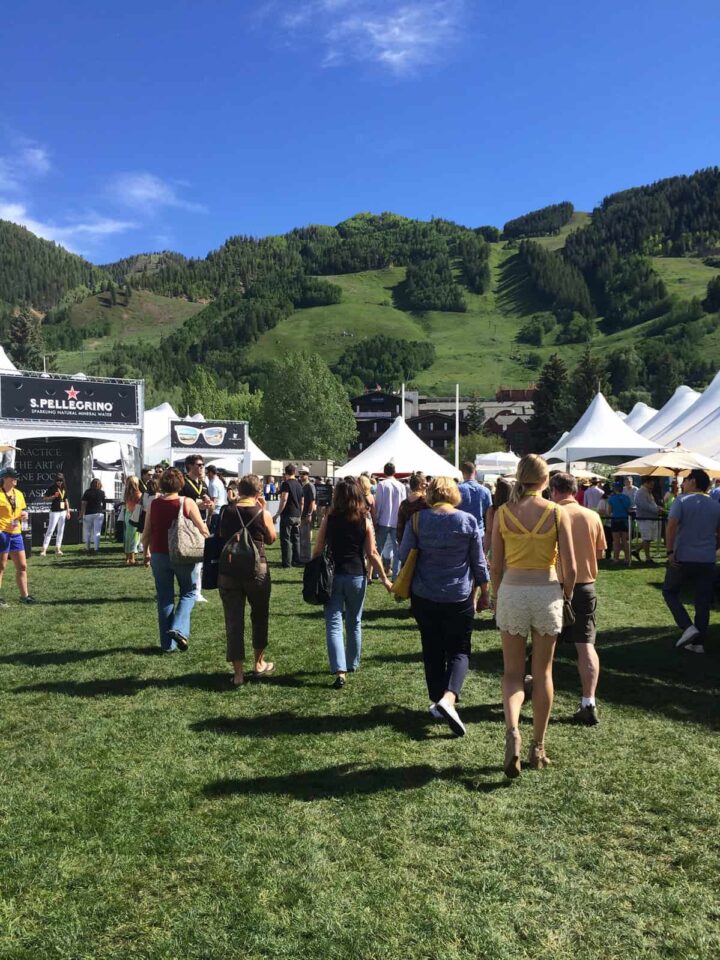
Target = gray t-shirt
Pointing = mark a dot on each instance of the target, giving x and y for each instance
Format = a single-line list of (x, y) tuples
[(699, 518)]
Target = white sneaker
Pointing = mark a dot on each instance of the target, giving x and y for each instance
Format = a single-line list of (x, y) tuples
[(435, 713), (200, 598), (688, 636), (694, 648), (452, 716)]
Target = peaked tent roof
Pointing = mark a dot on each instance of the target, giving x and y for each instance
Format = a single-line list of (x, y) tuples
[(706, 404), (6, 364), (405, 449), (639, 415), (600, 435), (675, 407)]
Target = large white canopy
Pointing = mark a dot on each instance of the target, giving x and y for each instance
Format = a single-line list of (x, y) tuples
[(706, 405), (399, 445), (675, 407), (500, 462), (639, 415), (600, 435)]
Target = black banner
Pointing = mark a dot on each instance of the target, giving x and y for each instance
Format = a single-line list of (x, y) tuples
[(37, 461), (63, 400), (209, 435)]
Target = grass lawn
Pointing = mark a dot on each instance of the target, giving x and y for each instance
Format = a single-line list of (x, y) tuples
[(147, 810)]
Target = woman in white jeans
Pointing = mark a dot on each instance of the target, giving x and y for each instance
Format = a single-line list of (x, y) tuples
[(92, 514), (59, 513)]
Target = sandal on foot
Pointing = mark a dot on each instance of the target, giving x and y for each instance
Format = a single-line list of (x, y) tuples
[(513, 746), (537, 757), (266, 671)]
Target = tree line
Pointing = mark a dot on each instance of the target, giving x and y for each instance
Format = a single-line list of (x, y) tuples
[(539, 223)]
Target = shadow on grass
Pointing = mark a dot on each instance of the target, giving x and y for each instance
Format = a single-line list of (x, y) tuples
[(94, 601), (131, 686), (55, 658), (349, 779), (414, 724), (515, 292)]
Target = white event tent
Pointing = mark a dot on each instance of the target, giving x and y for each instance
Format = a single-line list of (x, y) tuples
[(698, 414), (500, 462), (600, 435), (6, 364), (399, 445), (639, 415), (674, 408)]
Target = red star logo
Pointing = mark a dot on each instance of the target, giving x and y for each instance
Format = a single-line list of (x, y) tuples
[(72, 393)]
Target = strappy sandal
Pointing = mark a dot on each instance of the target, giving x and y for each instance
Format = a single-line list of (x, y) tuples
[(513, 746), (537, 758)]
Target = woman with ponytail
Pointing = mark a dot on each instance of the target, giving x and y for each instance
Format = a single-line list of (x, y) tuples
[(527, 536)]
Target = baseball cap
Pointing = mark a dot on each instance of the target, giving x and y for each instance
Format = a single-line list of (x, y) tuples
[(304, 470), (9, 472), (618, 485)]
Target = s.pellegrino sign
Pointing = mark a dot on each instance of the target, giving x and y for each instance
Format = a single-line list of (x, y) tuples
[(52, 399), (209, 435)]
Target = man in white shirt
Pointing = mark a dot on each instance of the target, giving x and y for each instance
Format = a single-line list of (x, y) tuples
[(631, 490), (593, 495), (389, 495), (216, 489)]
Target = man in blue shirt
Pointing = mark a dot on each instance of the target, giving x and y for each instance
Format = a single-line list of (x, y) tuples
[(693, 537), (475, 499)]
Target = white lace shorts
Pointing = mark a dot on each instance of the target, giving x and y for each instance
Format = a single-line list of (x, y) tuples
[(521, 607)]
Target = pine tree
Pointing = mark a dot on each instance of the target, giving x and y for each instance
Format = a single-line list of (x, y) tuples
[(475, 415), (26, 342), (552, 405), (588, 377)]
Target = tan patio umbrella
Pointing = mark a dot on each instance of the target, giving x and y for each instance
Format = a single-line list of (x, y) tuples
[(670, 462)]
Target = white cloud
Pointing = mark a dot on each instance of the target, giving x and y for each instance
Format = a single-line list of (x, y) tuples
[(75, 236), (24, 160), (400, 36), (145, 191)]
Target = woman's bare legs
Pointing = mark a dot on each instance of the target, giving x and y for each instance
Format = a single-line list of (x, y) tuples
[(543, 690), (513, 691)]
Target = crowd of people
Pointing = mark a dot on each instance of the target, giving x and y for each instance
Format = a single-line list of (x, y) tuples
[(529, 551)]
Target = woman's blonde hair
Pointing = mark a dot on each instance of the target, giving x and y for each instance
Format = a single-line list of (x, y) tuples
[(364, 482), (132, 486), (531, 470), (442, 490)]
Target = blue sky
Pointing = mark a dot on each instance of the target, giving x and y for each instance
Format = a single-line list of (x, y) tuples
[(177, 123)]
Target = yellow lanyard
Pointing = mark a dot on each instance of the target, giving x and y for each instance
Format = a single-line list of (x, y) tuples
[(196, 488)]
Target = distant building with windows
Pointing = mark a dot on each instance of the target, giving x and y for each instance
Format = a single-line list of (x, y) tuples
[(433, 418)]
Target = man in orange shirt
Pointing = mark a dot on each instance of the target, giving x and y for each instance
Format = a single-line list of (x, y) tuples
[(589, 544)]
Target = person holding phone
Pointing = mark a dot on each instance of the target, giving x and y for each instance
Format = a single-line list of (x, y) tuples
[(59, 513), (13, 512)]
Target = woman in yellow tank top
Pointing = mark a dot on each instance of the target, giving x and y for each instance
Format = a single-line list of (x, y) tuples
[(529, 599)]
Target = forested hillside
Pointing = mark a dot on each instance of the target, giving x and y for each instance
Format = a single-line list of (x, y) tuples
[(635, 280)]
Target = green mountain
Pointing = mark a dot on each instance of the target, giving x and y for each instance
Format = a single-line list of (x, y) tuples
[(486, 308)]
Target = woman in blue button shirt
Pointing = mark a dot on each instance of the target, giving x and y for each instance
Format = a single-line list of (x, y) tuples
[(450, 564)]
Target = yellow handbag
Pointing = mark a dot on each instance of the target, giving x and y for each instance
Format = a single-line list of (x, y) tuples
[(403, 581)]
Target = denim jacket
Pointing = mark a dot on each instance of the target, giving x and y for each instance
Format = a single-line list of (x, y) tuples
[(451, 557)]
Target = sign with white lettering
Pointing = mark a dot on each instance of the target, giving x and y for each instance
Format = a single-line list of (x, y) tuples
[(49, 398)]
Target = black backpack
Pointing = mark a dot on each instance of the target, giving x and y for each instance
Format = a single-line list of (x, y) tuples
[(318, 577), (240, 557)]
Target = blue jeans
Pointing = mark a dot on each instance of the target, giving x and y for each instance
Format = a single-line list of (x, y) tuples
[(387, 547), (701, 579), (171, 617), (348, 596)]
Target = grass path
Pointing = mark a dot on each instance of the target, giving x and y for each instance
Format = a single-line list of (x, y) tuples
[(149, 811)]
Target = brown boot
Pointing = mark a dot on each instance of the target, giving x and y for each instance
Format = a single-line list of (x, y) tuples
[(513, 746), (537, 758)]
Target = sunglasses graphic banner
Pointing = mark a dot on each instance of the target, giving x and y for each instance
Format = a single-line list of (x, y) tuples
[(209, 435), (30, 398)]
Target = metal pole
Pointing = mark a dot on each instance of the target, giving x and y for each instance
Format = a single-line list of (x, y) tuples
[(402, 401), (457, 426)]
